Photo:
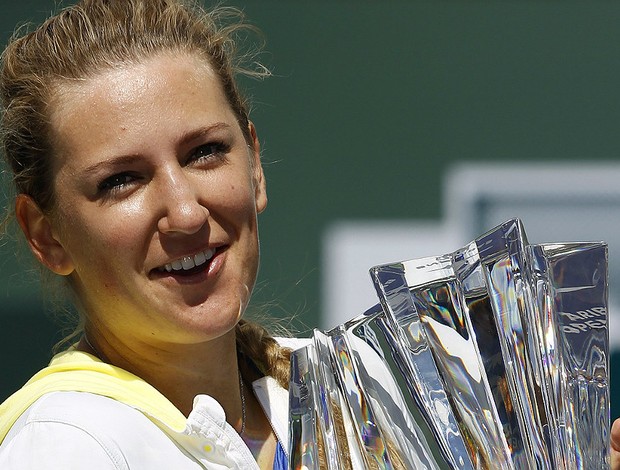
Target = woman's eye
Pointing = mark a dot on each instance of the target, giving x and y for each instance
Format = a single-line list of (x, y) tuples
[(208, 152), (115, 182)]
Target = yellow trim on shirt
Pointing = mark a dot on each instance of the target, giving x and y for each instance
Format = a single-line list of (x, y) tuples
[(78, 371)]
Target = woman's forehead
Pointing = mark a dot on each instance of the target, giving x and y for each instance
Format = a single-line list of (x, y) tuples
[(128, 81), (121, 108)]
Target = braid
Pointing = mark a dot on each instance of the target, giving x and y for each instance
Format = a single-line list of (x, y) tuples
[(257, 344)]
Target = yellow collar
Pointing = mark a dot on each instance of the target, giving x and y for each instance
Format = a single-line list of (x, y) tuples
[(81, 372)]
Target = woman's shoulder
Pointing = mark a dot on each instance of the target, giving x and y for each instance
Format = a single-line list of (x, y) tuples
[(65, 429), (80, 409), (40, 437)]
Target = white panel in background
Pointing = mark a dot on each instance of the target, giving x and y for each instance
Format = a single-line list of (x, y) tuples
[(558, 202), (351, 248)]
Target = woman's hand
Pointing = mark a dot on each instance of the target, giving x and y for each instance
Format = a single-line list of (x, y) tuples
[(615, 445)]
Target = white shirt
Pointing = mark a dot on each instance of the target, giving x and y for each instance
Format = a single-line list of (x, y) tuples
[(76, 430)]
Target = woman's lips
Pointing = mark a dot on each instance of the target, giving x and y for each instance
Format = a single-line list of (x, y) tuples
[(195, 267), (187, 263)]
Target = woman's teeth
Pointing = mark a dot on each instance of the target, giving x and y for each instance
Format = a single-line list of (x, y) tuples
[(188, 262)]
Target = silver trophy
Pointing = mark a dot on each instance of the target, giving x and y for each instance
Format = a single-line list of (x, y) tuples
[(494, 356)]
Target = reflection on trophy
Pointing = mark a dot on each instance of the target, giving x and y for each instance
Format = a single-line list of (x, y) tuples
[(494, 356)]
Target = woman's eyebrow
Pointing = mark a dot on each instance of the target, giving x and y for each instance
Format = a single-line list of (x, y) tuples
[(127, 159), (110, 162), (202, 131)]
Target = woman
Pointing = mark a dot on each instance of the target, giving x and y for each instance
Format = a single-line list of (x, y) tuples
[(139, 181)]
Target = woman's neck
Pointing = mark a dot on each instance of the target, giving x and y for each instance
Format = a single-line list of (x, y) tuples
[(180, 372)]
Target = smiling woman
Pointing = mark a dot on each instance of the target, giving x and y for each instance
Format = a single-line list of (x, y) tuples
[(139, 180), (151, 162)]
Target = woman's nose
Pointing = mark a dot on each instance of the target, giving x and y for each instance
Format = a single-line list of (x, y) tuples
[(182, 210)]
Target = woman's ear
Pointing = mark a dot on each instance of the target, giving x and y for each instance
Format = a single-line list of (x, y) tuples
[(38, 231), (260, 186)]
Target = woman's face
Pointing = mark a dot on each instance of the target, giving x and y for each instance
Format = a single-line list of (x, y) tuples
[(157, 193)]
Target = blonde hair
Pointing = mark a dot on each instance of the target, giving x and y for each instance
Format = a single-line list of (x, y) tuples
[(95, 35)]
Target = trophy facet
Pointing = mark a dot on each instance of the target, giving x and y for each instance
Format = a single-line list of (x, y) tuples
[(493, 356)]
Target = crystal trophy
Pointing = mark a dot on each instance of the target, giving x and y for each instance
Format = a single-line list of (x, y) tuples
[(494, 356)]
